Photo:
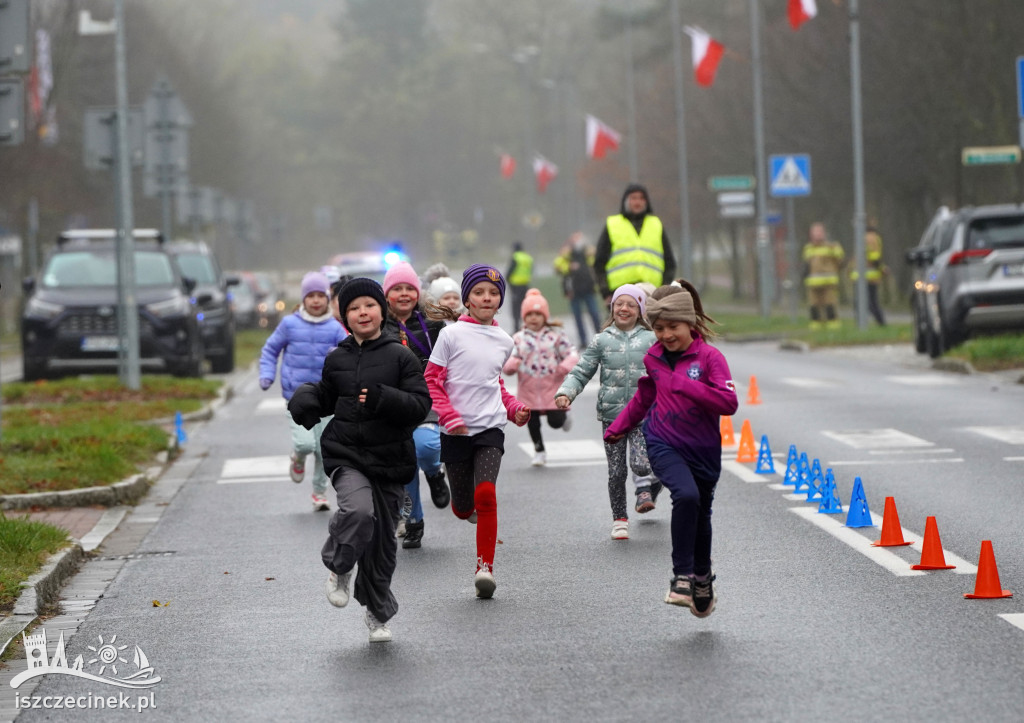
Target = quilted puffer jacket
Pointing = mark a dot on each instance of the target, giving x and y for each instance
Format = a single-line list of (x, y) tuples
[(305, 342), (620, 354)]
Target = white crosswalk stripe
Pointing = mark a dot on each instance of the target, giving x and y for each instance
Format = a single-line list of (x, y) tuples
[(241, 470)]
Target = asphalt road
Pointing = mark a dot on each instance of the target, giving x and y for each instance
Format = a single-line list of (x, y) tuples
[(810, 625)]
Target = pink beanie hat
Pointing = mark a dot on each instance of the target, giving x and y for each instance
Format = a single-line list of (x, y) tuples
[(401, 273), (535, 301), (635, 293)]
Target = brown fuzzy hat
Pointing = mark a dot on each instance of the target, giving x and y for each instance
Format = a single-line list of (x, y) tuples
[(671, 303)]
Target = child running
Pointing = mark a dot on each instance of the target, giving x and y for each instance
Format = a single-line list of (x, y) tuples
[(687, 388), (542, 356), (408, 324), (302, 340), (374, 388), (619, 350), (464, 377)]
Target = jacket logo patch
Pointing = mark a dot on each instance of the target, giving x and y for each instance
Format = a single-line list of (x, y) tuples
[(694, 371), (730, 385)]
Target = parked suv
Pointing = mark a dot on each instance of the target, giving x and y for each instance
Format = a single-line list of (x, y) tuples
[(70, 319), (969, 276), (216, 317)]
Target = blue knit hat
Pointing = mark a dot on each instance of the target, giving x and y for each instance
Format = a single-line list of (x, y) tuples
[(476, 273)]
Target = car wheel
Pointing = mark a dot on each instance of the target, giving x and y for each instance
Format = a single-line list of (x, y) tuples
[(193, 366), (920, 330), (32, 370), (224, 363)]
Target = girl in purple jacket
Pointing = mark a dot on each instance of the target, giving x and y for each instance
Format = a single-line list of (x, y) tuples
[(687, 387)]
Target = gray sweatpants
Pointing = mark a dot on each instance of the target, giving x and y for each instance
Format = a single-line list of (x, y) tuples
[(362, 531)]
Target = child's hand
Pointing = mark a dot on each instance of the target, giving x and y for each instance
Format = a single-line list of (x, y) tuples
[(362, 397), (461, 430), (614, 438), (522, 416), (265, 384), (562, 401)]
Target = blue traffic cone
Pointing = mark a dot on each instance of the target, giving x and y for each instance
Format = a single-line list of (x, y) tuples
[(858, 515), (792, 467), (816, 483), (830, 503), (179, 429), (765, 463), (803, 475)]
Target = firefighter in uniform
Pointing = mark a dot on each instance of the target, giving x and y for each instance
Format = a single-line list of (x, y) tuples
[(520, 273), (873, 272), (633, 247), (823, 260)]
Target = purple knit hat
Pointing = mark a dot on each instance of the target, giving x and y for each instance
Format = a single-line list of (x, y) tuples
[(476, 273), (315, 281), (635, 293)]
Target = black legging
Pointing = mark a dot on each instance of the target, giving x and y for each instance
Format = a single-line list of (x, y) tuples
[(556, 418), (463, 477)]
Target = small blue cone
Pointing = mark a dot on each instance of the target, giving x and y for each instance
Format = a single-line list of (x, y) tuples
[(816, 484), (792, 467), (179, 429), (803, 475), (830, 503), (765, 463), (858, 515)]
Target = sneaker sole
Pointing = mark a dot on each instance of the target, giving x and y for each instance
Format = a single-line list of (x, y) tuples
[(485, 587), (645, 507), (384, 637), (681, 602), (619, 536), (711, 609)]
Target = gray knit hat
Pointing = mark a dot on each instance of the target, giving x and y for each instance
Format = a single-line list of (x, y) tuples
[(671, 303)]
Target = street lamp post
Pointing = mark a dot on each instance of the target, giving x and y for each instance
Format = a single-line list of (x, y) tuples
[(764, 255), (685, 244), (858, 168)]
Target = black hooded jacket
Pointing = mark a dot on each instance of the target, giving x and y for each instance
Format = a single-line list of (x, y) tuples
[(374, 437), (604, 243)]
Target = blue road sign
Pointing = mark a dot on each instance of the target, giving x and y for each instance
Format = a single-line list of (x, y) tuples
[(790, 175)]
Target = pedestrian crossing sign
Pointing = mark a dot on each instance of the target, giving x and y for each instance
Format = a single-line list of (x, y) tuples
[(790, 175)]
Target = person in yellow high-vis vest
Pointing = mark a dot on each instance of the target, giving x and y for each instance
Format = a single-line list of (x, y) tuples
[(874, 270), (520, 274), (823, 261), (633, 247)]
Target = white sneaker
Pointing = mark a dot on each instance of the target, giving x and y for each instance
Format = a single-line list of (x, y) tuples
[(539, 459), (472, 518), (320, 503), (337, 589), (297, 468), (484, 582), (620, 530), (567, 424), (400, 528), (379, 632)]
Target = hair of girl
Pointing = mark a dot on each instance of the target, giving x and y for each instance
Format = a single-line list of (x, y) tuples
[(703, 320), (436, 312)]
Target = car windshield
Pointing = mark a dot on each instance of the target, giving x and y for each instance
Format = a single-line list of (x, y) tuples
[(996, 233), (197, 267), (96, 268)]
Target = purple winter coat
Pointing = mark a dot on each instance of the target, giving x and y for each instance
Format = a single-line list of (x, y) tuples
[(305, 344), (681, 406)]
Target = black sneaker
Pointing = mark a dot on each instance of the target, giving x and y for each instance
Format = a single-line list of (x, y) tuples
[(680, 591), (413, 535), (644, 501), (439, 493), (703, 597)]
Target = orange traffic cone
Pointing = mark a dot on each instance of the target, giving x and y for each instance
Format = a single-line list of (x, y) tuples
[(986, 584), (728, 438), (746, 452), (892, 533), (753, 395), (932, 557)]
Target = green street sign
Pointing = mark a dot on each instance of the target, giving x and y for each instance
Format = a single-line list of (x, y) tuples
[(990, 155), (731, 183)]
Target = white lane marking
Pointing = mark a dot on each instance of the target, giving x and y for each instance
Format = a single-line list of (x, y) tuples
[(893, 563), (1014, 619), (1013, 459), (743, 472), (247, 480), (885, 438), (926, 380), (910, 451), (570, 453), (1010, 435), (271, 466), (805, 383), (849, 462), (272, 405)]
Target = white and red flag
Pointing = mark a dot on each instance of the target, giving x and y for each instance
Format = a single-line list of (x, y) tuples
[(800, 11), (545, 171), (707, 53), (508, 166), (601, 138)]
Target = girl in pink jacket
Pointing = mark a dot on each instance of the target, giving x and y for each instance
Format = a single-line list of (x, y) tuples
[(543, 356)]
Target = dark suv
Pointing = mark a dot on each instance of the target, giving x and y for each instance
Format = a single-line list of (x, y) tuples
[(211, 296), (70, 319), (969, 276)]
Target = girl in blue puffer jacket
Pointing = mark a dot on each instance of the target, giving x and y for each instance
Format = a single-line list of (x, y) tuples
[(303, 340)]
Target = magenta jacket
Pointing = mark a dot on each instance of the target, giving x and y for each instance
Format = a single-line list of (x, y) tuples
[(681, 406)]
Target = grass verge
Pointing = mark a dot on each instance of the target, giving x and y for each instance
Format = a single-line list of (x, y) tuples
[(24, 547), (992, 353)]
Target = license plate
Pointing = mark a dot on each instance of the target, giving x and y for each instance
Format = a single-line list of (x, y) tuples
[(99, 343), (1013, 269)]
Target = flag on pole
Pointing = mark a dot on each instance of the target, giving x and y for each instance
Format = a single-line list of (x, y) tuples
[(707, 52), (800, 11), (508, 166), (601, 138), (545, 171)]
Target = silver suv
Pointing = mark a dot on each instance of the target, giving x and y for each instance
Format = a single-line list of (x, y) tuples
[(969, 276)]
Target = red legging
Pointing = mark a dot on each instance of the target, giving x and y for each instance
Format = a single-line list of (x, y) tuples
[(472, 485)]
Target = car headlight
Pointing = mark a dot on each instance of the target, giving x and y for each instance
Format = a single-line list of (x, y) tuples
[(42, 309), (279, 305), (178, 306)]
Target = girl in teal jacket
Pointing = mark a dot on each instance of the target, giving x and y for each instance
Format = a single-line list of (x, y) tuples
[(619, 351)]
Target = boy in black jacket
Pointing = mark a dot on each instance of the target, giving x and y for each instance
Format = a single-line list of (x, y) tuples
[(374, 387)]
